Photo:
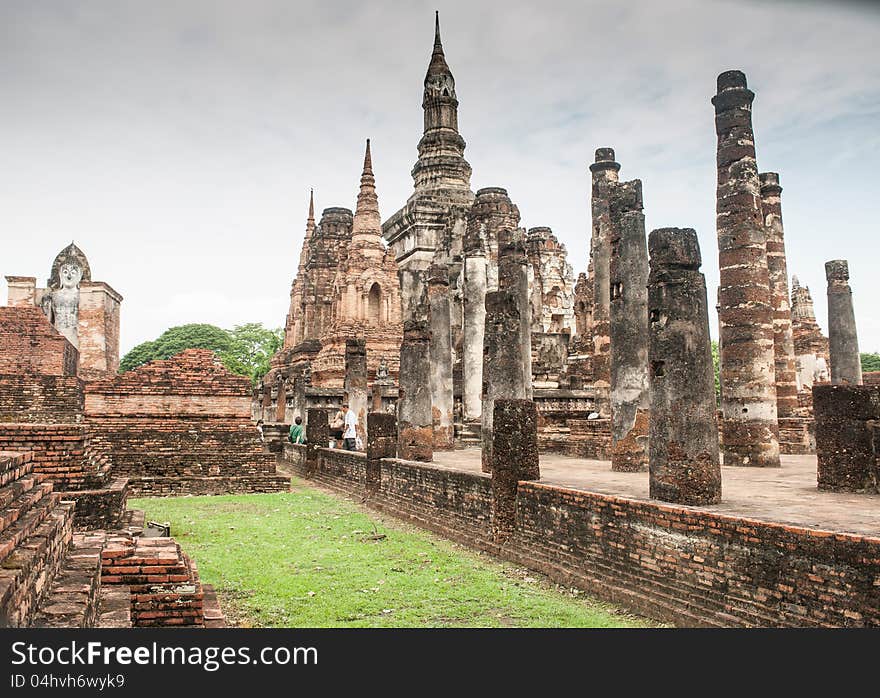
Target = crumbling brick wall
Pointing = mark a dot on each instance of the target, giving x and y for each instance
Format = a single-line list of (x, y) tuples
[(29, 345), (181, 425), (41, 399)]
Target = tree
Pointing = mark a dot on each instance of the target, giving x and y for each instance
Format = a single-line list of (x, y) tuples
[(173, 341), (870, 362), (245, 349), (250, 349)]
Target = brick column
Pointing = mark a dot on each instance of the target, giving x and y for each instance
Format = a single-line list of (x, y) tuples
[(777, 267), (514, 458), (745, 314), (848, 437), (381, 443), (604, 175), (843, 341), (355, 386), (440, 318), (414, 420), (317, 436), (630, 402), (684, 460)]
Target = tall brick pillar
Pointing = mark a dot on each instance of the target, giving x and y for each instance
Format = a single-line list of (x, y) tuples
[(317, 436), (604, 175), (281, 402), (440, 318), (843, 341), (748, 402), (630, 402), (777, 266), (415, 423), (507, 369), (685, 462), (381, 443), (355, 385), (514, 458)]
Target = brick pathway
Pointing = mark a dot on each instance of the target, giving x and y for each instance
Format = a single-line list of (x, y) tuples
[(785, 495)]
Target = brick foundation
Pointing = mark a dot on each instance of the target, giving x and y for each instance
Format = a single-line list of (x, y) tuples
[(181, 426), (848, 437)]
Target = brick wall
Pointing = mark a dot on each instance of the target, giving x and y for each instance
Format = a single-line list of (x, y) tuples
[(697, 568), (575, 435), (41, 399), (30, 345), (797, 435), (61, 451), (180, 426), (685, 566)]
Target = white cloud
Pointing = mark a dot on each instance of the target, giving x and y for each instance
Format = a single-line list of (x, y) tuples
[(176, 142)]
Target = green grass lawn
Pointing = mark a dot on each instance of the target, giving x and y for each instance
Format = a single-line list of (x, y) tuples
[(308, 559)]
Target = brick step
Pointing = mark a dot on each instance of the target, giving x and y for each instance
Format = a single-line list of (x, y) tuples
[(14, 490), (114, 607), (24, 515), (15, 464), (72, 599), (214, 617), (27, 573)]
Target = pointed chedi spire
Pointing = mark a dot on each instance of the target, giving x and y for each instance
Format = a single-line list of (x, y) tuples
[(438, 64), (310, 232), (367, 225), (441, 161)]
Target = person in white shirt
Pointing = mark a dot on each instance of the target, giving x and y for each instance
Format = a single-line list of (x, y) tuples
[(349, 436)]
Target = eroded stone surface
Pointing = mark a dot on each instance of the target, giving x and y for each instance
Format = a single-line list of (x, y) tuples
[(843, 340), (748, 398), (685, 464)]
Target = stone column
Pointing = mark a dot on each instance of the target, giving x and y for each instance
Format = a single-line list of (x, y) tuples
[(777, 267), (848, 437), (630, 401), (439, 314), (381, 443), (843, 342), (281, 402), (685, 463), (513, 275), (415, 423), (474, 310), (748, 402), (507, 371), (514, 458), (355, 385), (317, 436), (604, 175), (502, 366)]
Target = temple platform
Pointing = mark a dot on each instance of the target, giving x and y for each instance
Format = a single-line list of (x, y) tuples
[(786, 495)]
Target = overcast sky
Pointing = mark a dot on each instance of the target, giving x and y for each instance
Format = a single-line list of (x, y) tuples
[(176, 141)]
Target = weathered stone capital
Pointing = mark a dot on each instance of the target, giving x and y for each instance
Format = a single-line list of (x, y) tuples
[(732, 92), (674, 247), (604, 161), (770, 183), (837, 270), (626, 197)]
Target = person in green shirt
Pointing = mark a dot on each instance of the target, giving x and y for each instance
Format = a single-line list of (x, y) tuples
[(297, 433)]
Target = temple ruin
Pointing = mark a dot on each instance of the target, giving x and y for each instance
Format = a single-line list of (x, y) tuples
[(572, 427)]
